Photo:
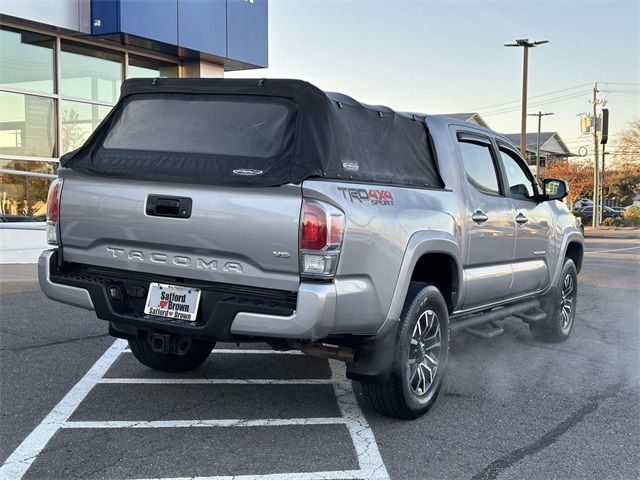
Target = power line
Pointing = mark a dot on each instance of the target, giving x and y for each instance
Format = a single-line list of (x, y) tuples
[(611, 140), (580, 140), (556, 99), (534, 104), (623, 152), (508, 109), (621, 83), (533, 96), (621, 91)]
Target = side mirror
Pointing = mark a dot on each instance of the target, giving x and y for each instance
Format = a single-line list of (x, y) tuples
[(554, 189)]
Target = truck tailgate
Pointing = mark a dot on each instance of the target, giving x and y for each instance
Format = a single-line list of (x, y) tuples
[(237, 235)]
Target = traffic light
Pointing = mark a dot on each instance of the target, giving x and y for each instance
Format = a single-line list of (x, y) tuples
[(603, 134)]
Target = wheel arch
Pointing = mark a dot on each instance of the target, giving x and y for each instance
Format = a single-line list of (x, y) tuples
[(440, 270), (575, 251), (427, 255), (572, 246)]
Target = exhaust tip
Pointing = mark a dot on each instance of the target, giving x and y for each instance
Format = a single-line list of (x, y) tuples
[(323, 350)]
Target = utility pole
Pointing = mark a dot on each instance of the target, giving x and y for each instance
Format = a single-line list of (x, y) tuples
[(602, 181), (539, 115), (603, 138), (526, 44), (596, 167)]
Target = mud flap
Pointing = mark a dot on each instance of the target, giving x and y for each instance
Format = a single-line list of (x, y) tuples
[(374, 358)]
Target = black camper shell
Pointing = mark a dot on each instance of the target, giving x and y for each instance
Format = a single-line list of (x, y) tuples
[(254, 132)]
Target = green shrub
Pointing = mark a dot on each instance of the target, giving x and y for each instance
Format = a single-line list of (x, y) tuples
[(613, 222), (632, 215)]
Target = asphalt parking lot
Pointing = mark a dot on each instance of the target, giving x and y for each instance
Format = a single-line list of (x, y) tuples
[(75, 404)]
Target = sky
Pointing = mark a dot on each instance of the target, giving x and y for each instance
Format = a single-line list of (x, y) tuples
[(448, 56)]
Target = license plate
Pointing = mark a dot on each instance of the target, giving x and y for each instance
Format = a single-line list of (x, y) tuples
[(172, 301)]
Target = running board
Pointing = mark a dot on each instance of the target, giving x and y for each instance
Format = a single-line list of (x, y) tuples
[(496, 314), (535, 315), (486, 330)]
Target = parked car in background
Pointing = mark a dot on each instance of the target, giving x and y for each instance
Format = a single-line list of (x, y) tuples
[(607, 212), (19, 218), (583, 202)]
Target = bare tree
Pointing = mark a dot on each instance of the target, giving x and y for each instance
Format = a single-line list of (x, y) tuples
[(73, 135), (627, 149)]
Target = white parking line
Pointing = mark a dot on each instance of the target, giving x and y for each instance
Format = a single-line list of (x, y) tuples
[(611, 250), (330, 475), (368, 456), (220, 381), (362, 436), (266, 422), (21, 459)]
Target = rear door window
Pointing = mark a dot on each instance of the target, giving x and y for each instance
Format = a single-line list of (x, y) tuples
[(479, 166)]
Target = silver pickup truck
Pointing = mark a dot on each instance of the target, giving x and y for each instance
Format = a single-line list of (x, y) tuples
[(210, 210)]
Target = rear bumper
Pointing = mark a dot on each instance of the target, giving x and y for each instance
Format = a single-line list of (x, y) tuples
[(312, 319), (226, 312), (78, 297)]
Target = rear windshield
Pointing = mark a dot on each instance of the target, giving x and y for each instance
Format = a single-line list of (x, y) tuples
[(219, 125)]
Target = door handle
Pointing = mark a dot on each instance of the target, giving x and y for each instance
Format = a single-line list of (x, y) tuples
[(521, 219), (479, 217)]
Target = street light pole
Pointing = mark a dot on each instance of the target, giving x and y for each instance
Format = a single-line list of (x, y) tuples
[(523, 119), (526, 44), (539, 115)]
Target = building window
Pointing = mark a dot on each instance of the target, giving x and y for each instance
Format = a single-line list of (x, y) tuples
[(90, 73), (27, 125), (30, 99), (79, 120), (26, 60), (23, 191), (140, 67)]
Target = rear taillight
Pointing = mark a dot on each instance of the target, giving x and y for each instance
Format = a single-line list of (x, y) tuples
[(321, 232), (53, 211)]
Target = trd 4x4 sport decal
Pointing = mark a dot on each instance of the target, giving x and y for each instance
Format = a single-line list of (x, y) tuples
[(373, 196)]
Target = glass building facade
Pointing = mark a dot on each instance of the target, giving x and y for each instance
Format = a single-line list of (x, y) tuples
[(54, 91)]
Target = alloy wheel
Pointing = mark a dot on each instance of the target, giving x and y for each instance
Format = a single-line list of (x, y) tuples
[(424, 353), (567, 301)]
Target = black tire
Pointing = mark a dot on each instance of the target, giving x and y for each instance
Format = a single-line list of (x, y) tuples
[(557, 326), (194, 356), (397, 397)]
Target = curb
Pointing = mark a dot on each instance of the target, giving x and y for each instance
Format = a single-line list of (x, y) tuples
[(613, 235), (28, 286)]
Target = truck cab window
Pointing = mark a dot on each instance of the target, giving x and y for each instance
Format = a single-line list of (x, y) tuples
[(521, 183), (479, 166)]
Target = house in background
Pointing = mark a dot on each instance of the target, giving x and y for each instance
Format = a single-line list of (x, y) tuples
[(552, 147), (469, 117)]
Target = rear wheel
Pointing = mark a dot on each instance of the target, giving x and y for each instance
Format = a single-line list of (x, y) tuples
[(420, 357), (560, 307), (192, 357)]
